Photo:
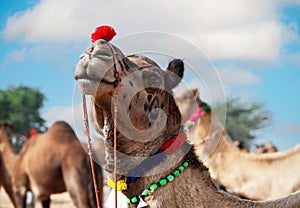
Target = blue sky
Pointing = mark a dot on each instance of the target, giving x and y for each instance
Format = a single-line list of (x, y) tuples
[(254, 45)]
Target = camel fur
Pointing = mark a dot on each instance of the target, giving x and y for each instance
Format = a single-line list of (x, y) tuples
[(148, 117)]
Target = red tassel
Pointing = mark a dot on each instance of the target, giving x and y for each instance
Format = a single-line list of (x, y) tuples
[(103, 32)]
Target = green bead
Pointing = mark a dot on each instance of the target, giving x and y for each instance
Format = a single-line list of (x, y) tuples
[(206, 108), (163, 182), (145, 192), (181, 168), (176, 172), (170, 178), (153, 187), (128, 201), (134, 200), (185, 164)]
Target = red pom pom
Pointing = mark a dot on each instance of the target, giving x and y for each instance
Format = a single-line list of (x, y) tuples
[(103, 32)]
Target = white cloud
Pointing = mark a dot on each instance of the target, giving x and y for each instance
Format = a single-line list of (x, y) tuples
[(14, 56), (59, 113), (241, 29), (260, 41), (73, 115), (232, 76), (294, 1), (17, 56), (293, 58), (289, 129)]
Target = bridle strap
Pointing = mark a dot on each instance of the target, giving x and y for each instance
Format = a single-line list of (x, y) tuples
[(117, 86)]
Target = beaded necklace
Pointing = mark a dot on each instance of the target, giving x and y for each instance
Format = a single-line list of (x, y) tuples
[(153, 187)]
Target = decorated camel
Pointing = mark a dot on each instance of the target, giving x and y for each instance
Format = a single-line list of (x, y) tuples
[(154, 162), (253, 176), (49, 163)]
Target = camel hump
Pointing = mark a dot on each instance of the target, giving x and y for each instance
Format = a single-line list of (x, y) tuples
[(61, 126)]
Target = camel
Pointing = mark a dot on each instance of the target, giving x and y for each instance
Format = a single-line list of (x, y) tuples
[(52, 162), (250, 175), (265, 148), (259, 148), (7, 158), (162, 166)]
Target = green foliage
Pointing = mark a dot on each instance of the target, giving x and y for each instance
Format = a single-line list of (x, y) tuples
[(242, 122), (21, 105)]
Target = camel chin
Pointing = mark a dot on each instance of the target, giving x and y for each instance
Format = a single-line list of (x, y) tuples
[(94, 87)]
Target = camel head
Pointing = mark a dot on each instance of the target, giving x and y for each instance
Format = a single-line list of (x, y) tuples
[(5, 132), (201, 121), (188, 102), (147, 113)]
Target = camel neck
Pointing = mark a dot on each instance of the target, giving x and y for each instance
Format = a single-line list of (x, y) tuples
[(9, 155), (193, 187), (6, 147)]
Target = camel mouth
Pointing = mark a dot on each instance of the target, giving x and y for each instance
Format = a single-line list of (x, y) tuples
[(93, 86)]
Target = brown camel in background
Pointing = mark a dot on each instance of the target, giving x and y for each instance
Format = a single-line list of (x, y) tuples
[(53, 162), (253, 176), (7, 158), (148, 118)]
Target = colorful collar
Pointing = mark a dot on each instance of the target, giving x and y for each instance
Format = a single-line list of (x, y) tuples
[(136, 173), (199, 112), (153, 187)]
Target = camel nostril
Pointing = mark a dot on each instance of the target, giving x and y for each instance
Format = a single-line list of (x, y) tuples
[(76, 77), (81, 56)]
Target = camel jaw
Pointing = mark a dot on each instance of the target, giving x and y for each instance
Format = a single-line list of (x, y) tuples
[(94, 87)]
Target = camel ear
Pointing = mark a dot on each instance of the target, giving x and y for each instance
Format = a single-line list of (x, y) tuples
[(195, 92), (9, 124), (175, 72)]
